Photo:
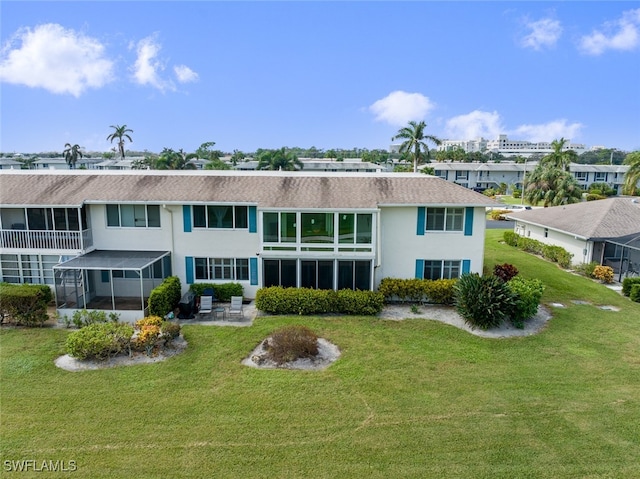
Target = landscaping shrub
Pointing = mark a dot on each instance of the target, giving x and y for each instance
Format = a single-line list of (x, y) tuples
[(307, 301), (149, 321), (169, 331), (557, 254), (290, 343), (511, 238), (505, 271), (586, 269), (603, 273), (83, 317), (498, 214), (483, 301), (222, 292), (438, 291), (165, 297), (634, 293), (26, 304), (527, 294), (146, 339), (99, 340), (627, 284)]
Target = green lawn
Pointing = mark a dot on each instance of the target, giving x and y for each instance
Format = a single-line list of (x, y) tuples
[(406, 399)]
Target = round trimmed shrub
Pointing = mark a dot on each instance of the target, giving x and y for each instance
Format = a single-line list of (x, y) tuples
[(290, 343), (483, 301), (99, 340)]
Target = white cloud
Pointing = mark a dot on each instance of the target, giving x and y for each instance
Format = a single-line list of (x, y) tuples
[(623, 34), (548, 131), (147, 68), (59, 60), (400, 107), (185, 74), (543, 33), (473, 125)]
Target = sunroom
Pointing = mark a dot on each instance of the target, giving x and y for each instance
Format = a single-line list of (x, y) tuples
[(114, 281)]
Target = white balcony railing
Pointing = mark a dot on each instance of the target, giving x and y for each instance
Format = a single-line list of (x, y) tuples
[(23, 239)]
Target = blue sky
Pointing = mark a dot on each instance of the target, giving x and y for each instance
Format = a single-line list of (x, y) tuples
[(251, 75)]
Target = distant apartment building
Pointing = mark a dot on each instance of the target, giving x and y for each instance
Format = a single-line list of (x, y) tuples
[(507, 147)]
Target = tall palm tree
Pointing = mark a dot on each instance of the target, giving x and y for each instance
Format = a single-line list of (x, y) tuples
[(553, 186), (121, 133), (71, 154), (415, 142), (632, 176), (559, 158)]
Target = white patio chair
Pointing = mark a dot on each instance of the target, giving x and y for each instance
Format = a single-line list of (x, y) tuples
[(206, 305), (235, 309)]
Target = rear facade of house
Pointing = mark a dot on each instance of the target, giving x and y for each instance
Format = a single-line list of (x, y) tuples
[(104, 240)]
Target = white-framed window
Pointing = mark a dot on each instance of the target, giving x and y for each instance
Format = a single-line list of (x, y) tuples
[(234, 269), (462, 175), (445, 219), (133, 216), (441, 269), (221, 216)]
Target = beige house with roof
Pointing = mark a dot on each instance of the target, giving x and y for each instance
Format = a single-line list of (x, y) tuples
[(605, 231), (105, 239)]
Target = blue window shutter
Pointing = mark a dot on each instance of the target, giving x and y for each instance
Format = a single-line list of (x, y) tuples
[(189, 268), (253, 271), (421, 220), (186, 218), (253, 225), (419, 268), (468, 221), (466, 266), (104, 274)]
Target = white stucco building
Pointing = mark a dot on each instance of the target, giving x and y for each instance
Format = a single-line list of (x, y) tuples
[(105, 239)]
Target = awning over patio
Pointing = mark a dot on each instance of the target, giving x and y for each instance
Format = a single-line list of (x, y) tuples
[(110, 260)]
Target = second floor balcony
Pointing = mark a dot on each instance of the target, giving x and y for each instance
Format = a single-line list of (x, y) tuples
[(46, 240)]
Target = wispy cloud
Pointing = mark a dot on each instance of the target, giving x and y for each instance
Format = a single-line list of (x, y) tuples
[(400, 107), (59, 60), (474, 125), (548, 131), (622, 34), (184, 74), (147, 68), (543, 33)]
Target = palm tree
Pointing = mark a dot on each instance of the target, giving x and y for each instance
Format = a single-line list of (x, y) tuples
[(121, 133), (71, 154), (278, 160), (551, 185), (559, 158), (175, 160), (415, 141), (632, 176)]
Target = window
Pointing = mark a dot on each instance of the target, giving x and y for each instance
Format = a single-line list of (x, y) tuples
[(317, 274), (462, 175), (220, 217), (354, 275), (445, 219), (280, 272), (133, 216), (222, 269), (354, 228), (279, 227), (441, 269), (581, 175), (316, 227), (27, 268), (319, 228)]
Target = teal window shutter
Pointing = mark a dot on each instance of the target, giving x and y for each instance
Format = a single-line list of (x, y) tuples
[(189, 268), (468, 221), (422, 212), (253, 271), (186, 218), (466, 266), (104, 274), (419, 268), (253, 225)]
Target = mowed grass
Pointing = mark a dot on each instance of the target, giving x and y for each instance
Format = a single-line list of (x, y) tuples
[(406, 399)]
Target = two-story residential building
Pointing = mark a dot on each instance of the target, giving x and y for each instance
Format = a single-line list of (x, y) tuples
[(104, 239)]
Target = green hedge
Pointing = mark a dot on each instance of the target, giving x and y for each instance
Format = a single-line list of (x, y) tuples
[(165, 297), (99, 340), (439, 291), (307, 301), (557, 254), (627, 284), (634, 294), (26, 304), (527, 294), (222, 292)]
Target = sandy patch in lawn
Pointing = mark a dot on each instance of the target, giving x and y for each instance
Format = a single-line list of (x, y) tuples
[(69, 363), (449, 315)]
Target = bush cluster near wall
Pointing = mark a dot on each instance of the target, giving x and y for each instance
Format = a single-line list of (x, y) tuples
[(307, 301), (222, 292), (631, 288), (556, 254), (438, 291), (165, 297), (26, 304)]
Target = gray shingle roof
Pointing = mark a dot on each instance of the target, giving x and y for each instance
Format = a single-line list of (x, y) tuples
[(264, 189), (610, 218)]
